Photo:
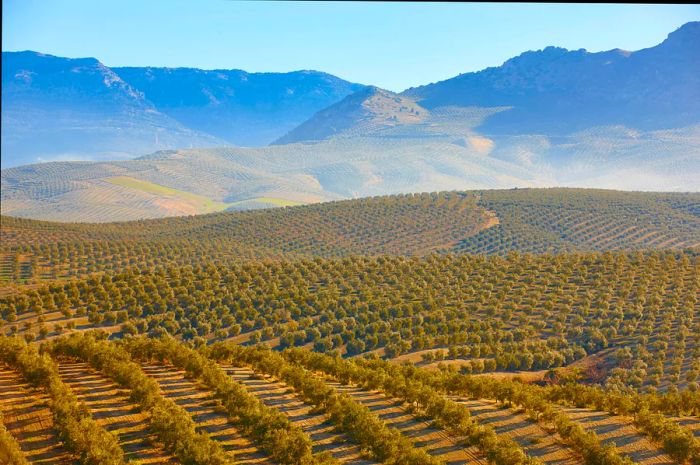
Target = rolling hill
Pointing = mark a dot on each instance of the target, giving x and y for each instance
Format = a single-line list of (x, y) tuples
[(443, 150), (296, 361), (493, 222), (164, 183)]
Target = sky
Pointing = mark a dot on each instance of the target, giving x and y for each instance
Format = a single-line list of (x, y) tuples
[(390, 45)]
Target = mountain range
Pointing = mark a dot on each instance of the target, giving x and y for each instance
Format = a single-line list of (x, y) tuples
[(58, 108), (557, 91), (614, 119)]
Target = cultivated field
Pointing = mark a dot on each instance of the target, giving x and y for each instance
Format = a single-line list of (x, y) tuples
[(308, 389)]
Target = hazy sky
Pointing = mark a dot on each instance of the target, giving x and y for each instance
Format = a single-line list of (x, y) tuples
[(391, 45)]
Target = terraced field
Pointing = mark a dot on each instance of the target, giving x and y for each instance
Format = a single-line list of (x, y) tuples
[(29, 420), (627, 320), (530, 221), (142, 337)]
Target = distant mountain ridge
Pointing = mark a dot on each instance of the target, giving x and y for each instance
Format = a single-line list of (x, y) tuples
[(57, 107), (77, 108), (559, 91), (551, 92), (244, 109)]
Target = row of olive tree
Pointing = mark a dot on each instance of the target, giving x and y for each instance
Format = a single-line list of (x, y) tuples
[(445, 412), (171, 423), (91, 443), (585, 443), (10, 452), (675, 440), (385, 444), (284, 442)]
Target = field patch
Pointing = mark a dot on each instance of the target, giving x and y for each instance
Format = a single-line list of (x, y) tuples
[(187, 202), (258, 202)]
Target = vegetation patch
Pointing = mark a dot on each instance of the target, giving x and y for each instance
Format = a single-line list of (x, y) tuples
[(199, 203)]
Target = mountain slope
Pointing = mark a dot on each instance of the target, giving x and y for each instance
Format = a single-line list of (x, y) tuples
[(58, 108), (370, 107), (245, 109), (557, 91)]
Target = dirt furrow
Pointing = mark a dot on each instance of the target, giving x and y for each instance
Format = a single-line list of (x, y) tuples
[(436, 442), (28, 418), (111, 408), (280, 396), (534, 440), (619, 430), (206, 412)]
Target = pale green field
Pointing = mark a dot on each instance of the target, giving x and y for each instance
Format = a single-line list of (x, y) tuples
[(276, 201), (200, 203)]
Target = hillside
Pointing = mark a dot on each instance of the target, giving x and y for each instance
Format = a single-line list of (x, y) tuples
[(243, 109), (489, 222), (485, 316), (370, 108), (389, 343), (557, 91), (441, 152), (184, 182), (230, 404)]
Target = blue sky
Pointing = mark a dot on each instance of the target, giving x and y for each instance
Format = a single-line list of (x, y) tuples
[(391, 45)]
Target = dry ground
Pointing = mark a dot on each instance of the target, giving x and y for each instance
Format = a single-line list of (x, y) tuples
[(206, 412), (112, 409), (278, 395), (535, 441), (619, 430), (28, 418), (395, 414)]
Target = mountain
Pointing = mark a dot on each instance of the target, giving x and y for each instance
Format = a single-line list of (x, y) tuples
[(63, 108), (245, 109), (557, 91), (58, 108), (370, 107)]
